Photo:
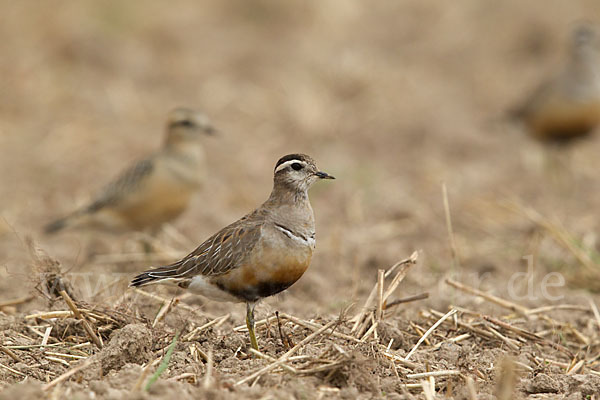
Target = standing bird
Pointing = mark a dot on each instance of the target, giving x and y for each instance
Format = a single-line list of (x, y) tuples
[(567, 106), (259, 255), (154, 190)]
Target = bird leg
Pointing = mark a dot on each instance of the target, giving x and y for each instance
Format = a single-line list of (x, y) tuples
[(250, 324)]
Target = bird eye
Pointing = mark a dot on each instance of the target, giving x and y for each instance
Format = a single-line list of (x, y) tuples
[(297, 166), (186, 122)]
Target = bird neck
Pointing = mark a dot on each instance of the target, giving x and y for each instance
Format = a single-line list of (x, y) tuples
[(286, 194), (291, 207), (585, 61), (189, 148)]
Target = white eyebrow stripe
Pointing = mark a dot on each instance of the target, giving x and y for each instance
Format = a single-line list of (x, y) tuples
[(287, 163)]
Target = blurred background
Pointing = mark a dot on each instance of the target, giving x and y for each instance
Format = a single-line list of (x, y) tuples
[(393, 98)]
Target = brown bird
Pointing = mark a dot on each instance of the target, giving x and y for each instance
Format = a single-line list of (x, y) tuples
[(259, 255), (567, 106), (154, 190)]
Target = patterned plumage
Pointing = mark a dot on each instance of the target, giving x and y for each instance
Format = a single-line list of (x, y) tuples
[(129, 181), (567, 106), (154, 190), (221, 253), (261, 254)]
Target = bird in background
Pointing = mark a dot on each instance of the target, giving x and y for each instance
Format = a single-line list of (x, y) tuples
[(259, 255), (154, 190), (566, 107)]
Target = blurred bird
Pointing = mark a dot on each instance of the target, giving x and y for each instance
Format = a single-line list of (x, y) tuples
[(154, 190), (567, 106), (259, 255)]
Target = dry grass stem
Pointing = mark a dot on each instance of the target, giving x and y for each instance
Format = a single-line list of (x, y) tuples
[(565, 307), (380, 278), (580, 336), (10, 353), (73, 356), (506, 340), (164, 311), (420, 375), (419, 331), (398, 278), (595, 311), (14, 371), (50, 315), (401, 360), (359, 319), (421, 296), (67, 374), (576, 368), (524, 366), (456, 339), (185, 375), (58, 360), (86, 324), (521, 332), (271, 359), (489, 297), (166, 301), (544, 361), (314, 326), (196, 331), (451, 238), (284, 357), (370, 332), (197, 353), (46, 337), (528, 335), (461, 324), (429, 331)]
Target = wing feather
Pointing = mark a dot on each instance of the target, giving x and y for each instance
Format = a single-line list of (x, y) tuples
[(127, 182), (219, 254)]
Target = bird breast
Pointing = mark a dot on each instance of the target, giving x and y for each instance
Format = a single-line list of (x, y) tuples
[(186, 168), (276, 263)]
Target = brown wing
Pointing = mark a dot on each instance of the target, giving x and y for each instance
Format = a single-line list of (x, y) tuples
[(127, 182), (130, 180), (222, 252)]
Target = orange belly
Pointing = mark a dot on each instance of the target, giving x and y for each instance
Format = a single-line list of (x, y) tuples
[(267, 273), (158, 201), (564, 121), (155, 212)]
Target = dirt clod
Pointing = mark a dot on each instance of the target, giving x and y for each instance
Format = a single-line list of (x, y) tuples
[(586, 384), (130, 344)]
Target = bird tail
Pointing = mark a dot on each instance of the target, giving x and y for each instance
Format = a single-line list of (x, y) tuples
[(58, 225), (167, 274), (64, 222)]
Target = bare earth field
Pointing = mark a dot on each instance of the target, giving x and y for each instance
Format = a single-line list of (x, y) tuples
[(402, 101)]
